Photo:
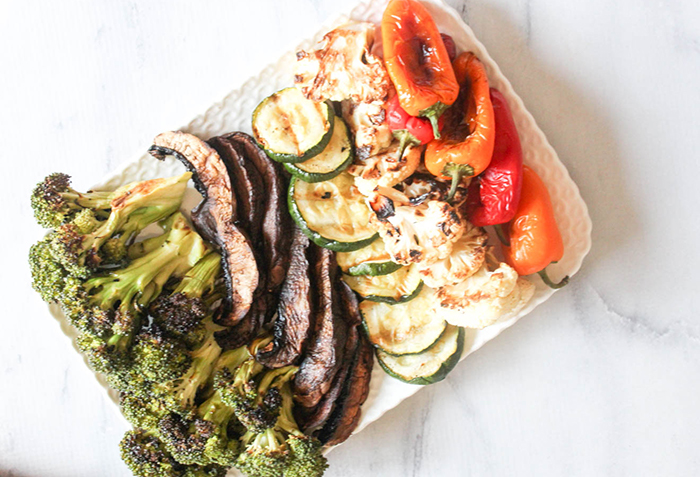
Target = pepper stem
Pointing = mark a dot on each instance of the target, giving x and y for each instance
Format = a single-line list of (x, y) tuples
[(548, 281), (456, 172), (433, 113), (502, 235), (405, 138)]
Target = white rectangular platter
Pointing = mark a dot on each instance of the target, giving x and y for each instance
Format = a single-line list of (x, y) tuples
[(233, 114)]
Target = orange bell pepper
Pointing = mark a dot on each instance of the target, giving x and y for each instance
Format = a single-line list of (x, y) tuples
[(456, 156), (418, 61), (534, 238)]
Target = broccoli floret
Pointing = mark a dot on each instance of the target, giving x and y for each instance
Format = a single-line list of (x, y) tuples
[(54, 201), (181, 313), (306, 459), (305, 452), (253, 393), (204, 437), (80, 249), (179, 394), (146, 456), (48, 276), (123, 293), (159, 357), (142, 411), (266, 454)]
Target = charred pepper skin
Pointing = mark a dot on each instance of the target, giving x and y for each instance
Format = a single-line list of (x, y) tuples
[(418, 61), (455, 156), (535, 240), (494, 197)]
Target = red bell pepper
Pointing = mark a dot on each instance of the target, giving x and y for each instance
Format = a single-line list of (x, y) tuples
[(493, 198), (406, 128)]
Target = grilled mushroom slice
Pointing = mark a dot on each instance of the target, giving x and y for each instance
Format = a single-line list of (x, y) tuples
[(212, 181), (347, 412), (277, 228), (324, 353), (350, 312), (247, 186), (294, 312)]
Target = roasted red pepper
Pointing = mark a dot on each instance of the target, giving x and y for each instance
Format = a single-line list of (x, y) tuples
[(535, 240), (417, 61), (406, 128), (494, 195), (457, 156)]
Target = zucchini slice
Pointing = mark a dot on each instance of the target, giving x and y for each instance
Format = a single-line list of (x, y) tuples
[(407, 328), (333, 160), (333, 214), (373, 260), (291, 128), (430, 366), (401, 286)]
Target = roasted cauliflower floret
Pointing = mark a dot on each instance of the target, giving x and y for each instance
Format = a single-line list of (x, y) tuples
[(485, 297), (385, 169), (420, 234), (368, 123), (468, 254), (342, 68)]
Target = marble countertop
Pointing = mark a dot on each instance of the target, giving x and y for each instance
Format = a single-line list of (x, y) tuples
[(603, 379)]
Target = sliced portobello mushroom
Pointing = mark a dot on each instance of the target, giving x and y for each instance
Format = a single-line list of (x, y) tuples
[(347, 412), (333, 214), (277, 226), (324, 352), (406, 328), (333, 160), (290, 127), (372, 260), (314, 419), (212, 181), (247, 186), (294, 313), (429, 367), (397, 287)]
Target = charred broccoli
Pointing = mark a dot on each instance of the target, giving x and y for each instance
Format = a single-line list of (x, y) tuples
[(83, 244), (146, 456), (55, 202), (203, 437)]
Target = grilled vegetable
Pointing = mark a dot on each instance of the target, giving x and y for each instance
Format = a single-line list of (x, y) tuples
[(276, 226), (333, 213), (373, 260), (324, 352), (417, 61), (455, 156), (535, 240), (468, 254), (333, 160), (291, 128), (428, 367), (398, 287), (215, 216), (493, 198), (293, 324), (485, 297), (346, 415), (407, 328)]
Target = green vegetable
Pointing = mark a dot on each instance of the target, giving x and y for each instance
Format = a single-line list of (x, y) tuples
[(333, 213), (333, 160), (291, 128), (407, 328), (397, 287), (373, 260), (428, 367)]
